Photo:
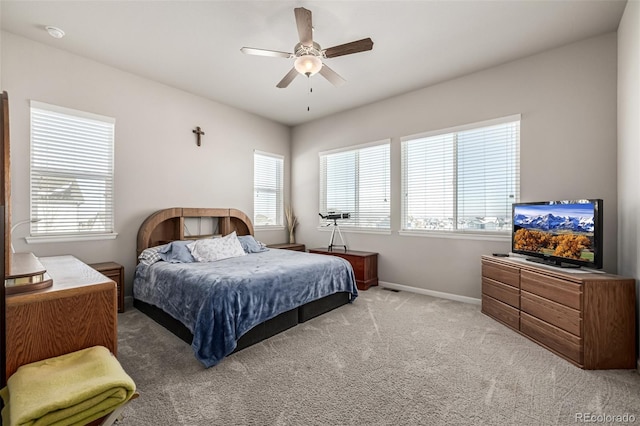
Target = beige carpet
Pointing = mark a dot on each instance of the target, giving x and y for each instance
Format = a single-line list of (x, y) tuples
[(391, 358)]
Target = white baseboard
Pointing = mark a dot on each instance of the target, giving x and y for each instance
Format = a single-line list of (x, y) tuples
[(433, 293)]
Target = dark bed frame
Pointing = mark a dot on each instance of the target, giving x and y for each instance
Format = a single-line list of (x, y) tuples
[(167, 225)]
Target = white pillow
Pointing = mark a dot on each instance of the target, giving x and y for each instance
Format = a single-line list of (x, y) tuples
[(212, 249)]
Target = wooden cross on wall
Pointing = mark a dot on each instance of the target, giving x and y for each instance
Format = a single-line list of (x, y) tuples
[(198, 133)]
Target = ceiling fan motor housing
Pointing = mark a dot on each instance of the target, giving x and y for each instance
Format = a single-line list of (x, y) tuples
[(302, 50)]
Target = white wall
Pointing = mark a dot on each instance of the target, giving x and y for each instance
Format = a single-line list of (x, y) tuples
[(157, 162), (0, 48), (567, 98), (629, 143)]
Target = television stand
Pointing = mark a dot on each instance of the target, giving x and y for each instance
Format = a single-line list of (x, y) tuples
[(589, 319), (549, 262)]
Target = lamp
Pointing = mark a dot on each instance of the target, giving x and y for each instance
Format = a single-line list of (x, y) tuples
[(22, 222), (308, 65)]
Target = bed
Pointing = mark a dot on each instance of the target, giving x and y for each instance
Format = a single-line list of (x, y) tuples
[(222, 306)]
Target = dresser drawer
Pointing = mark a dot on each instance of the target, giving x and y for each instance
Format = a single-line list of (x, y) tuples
[(554, 313), (563, 292), (559, 340), (502, 292), (504, 313), (503, 273)]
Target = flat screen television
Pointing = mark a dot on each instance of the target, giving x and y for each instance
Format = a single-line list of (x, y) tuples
[(565, 233)]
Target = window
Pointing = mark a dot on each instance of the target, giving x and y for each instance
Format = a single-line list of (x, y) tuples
[(463, 179), (356, 181), (71, 173), (268, 172)]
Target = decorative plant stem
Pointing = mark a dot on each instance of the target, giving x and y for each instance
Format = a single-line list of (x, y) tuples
[(292, 222)]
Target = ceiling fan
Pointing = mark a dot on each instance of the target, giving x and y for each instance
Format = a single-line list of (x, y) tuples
[(309, 54)]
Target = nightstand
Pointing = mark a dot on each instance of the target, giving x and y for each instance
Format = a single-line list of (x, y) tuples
[(364, 263), (114, 271), (288, 246)]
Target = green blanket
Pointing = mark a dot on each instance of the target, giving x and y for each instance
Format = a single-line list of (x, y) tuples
[(72, 389)]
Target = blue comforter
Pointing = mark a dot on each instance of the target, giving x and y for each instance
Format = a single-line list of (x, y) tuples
[(220, 301)]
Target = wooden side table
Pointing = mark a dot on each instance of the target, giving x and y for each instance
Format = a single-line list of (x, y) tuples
[(78, 311), (114, 271), (288, 246), (364, 263)]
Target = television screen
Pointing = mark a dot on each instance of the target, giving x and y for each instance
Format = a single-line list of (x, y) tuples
[(559, 232)]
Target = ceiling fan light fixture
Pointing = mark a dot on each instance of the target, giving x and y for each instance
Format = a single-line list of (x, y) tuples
[(308, 65)]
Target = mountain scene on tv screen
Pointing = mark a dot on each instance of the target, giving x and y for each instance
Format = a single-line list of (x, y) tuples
[(562, 230)]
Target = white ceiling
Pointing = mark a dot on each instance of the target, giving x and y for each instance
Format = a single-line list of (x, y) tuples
[(195, 45)]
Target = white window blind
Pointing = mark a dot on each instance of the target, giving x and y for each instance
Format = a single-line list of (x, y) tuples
[(71, 172), (463, 179), (268, 189), (356, 181)]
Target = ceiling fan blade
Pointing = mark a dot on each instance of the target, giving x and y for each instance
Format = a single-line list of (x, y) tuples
[(331, 75), (287, 79), (305, 27), (349, 48), (263, 52)]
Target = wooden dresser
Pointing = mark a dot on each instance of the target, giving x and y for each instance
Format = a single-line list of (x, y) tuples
[(587, 318), (364, 263), (78, 311)]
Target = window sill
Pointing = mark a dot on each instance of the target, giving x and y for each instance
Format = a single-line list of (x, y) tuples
[(269, 228), (356, 230), (457, 235), (70, 238)]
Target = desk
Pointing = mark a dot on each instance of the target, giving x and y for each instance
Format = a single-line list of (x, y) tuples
[(78, 311)]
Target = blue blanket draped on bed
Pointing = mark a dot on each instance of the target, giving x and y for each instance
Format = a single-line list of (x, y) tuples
[(220, 301)]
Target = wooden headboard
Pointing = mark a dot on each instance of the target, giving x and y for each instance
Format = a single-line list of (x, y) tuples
[(168, 225)]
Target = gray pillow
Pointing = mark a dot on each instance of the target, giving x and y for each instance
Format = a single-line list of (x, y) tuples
[(250, 245), (176, 252)]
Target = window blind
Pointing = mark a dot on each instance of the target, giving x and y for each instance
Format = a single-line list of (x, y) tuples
[(356, 181), (464, 179), (268, 189), (71, 172)]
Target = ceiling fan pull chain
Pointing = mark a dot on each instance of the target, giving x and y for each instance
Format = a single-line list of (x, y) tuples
[(309, 93)]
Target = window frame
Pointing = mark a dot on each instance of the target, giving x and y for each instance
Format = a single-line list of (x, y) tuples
[(109, 175), (345, 224), (490, 235), (279, 191)]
